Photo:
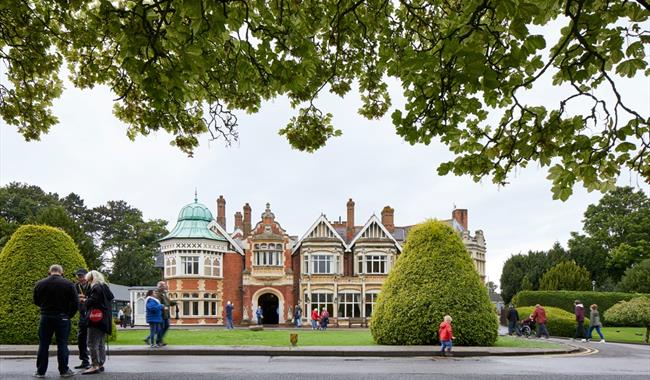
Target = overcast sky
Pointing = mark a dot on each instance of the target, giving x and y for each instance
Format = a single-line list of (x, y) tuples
[(88, 153)]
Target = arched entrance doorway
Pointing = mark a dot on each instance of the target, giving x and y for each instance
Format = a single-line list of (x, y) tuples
[(270, 306)]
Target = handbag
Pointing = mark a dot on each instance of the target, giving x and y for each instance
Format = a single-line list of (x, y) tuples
[(95, 315)]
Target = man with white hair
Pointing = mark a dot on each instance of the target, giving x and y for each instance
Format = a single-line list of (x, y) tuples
[(161, 295), (59, 302)]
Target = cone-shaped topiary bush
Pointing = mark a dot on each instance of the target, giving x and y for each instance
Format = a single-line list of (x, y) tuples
[(433, 276), (24, 260)]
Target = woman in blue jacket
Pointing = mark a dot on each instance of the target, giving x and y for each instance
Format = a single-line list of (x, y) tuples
[(154, 317)]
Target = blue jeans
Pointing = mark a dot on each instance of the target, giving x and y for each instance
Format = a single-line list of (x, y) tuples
[(597, 328), (541, 330), (298, 321), (229, 325), (154, 331), (58, 325), (164, 326), (445, 344), (314, 324), (513, 327)]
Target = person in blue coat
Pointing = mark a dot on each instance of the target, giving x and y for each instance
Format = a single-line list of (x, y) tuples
[(154, 317)]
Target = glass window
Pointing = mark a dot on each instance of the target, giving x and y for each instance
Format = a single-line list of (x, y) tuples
[(321, 264), (322, 300), (349, 305), (375, 264), (371, 299), (190, 264), (268, 254)]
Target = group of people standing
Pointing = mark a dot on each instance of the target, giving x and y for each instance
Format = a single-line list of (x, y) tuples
[(59, 301), (158, 307), (320, 321)]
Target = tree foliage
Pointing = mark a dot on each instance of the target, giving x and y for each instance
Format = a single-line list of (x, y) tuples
[(635, 312), (184, 66), (433, 276), (637, 278), (566, 275)]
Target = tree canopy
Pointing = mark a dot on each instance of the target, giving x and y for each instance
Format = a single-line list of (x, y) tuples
[(566, 275), (186, 66)]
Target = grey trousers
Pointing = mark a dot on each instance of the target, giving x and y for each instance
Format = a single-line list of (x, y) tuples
[(97, 346)]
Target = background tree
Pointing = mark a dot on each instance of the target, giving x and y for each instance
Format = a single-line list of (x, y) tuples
[(635, 312), (636, 279), (454, 60), (566, 275)]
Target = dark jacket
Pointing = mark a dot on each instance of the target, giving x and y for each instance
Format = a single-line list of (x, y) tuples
[(229, 311), (165, 301), (100, 297), (85, 290), (580, 313), (56, 296), (513, 315)]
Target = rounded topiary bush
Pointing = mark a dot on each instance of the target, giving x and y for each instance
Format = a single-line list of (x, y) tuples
[(635, 312), (25, 260), (433, 276), (559, 322)]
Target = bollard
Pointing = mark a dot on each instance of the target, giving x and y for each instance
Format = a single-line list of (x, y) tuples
[(294, 339)]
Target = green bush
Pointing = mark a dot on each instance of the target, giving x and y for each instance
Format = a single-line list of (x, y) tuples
[(566, 275), (113, 336), (634, 313), (559, 322), (433, 276), (564, 299), (637, 278), (24, 260)]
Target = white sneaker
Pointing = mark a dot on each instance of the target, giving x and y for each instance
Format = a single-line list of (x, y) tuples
[(602, 341), (583, 340)]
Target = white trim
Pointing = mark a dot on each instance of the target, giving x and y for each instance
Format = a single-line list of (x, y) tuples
[(225, 234), (374, 219), (321, 219)]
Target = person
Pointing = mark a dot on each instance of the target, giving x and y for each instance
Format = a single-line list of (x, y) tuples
[(446, 335), (229, 308), (324, 319), (513, 320), (314, 319), (539, 316), (594, 323), (259, 314), (120, 317), (580, 320), (127, 316), (83, 288), (99, 298), (59, 302), (297, 316), (154, 315), (161, 294)]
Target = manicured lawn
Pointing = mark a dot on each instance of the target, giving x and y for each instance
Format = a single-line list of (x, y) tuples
[(279, 338), (622, 334)]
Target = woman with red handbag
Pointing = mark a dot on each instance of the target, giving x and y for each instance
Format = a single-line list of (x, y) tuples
[(100, 320)]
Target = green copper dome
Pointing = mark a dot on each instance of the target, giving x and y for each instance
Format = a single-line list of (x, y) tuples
[(193, 223)]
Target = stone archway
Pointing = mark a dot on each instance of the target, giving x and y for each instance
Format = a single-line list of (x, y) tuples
[(270, 304)]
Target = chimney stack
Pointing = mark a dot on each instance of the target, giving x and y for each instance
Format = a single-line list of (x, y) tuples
[(221, 211), (350, 222), (238, 221), (247, 220), (460, 215), (387, 218)]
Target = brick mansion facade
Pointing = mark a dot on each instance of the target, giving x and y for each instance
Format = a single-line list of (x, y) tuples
[(338, 265)]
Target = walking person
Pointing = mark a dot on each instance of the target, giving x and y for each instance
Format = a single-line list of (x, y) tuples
[(324, 319), (127, 316), (594, 323), (314, 319), (83, 288), (446, 336), (154, 315), (161, 294), (59, 302), (120, 317), (229, 308), (100, 320), (513, 320), (580, 321), (297, 316), (259, 314), (539, 316)]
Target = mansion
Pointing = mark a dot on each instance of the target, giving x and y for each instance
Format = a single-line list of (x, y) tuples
[(338, 265)]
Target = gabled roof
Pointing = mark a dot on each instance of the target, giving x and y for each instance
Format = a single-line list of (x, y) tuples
[(216, 226), (321, 219), (374, 220)]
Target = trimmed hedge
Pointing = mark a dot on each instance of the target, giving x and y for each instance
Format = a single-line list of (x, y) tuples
[(635, 312), (559, 322), (433, 276), (564, 299), (25, 260)]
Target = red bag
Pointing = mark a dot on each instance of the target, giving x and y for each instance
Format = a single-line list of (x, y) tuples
[(95, 315)]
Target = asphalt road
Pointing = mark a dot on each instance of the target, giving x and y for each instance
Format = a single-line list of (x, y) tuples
[(607, 361)]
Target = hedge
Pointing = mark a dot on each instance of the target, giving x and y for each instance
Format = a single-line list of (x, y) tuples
[(559, 322), (25, 260), (635, 312), (433, 276), (564, 299)]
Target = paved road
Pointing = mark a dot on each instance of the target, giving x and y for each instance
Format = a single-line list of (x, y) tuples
[(610, 361)]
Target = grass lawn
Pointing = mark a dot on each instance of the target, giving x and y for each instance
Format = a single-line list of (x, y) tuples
[(622, 334), (279, 338)]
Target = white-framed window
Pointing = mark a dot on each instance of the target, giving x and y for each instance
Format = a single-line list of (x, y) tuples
[(212, 266), (371, 299), (190, 264), (349, 305), (199, 305), (190, 305), (268, 254), (373, 264), (321, 300), (210, 305), (170, 267)]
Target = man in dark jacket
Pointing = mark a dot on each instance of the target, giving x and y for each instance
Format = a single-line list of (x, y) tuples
[(83, 288), (580, 319), (59, 302), (513, 321), (161, 295)]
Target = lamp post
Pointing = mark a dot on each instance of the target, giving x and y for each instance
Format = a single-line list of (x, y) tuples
[(593, 285)]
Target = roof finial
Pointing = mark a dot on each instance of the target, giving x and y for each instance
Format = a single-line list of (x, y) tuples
[(196, 196)]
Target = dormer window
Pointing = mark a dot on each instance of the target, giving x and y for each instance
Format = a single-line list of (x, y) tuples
[(268, 254)]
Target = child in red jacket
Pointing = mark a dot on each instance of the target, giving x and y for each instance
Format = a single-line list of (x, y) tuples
[(445, 333)]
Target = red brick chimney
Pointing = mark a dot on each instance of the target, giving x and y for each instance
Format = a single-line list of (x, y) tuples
[(247, 220), (221, 211), (349, 230), (460, 215), (387, 218), (238, 221)]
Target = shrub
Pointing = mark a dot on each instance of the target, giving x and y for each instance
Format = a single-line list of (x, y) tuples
[(24, 260), (433, 276), (635, 312), (637, 278), (566, 275), (113, 336), (559, 322), (564, 299)]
